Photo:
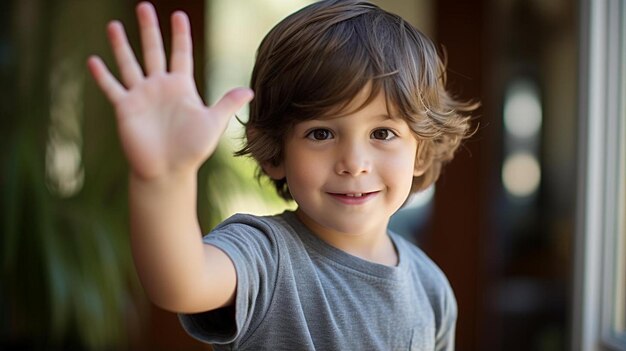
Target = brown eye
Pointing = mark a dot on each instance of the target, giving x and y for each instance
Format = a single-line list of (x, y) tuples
[(383, 134), (319, 134)]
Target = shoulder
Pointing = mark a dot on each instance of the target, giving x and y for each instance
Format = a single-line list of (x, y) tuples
[(432, 279), (252, 233), (249, 222), (418, 260), (248, 226)]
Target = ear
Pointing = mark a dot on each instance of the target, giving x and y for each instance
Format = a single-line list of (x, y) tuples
[(420, 168), (274, 172)]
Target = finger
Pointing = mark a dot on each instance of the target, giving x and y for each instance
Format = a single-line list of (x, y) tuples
[(182, 55), (231, 102), (126, 61), (105, 80), (151, 40)]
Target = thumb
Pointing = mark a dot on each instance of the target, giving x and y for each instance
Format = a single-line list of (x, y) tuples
[(231, 102)]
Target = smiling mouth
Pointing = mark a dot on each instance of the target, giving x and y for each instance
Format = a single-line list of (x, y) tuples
[(354, 194), (354, 198)]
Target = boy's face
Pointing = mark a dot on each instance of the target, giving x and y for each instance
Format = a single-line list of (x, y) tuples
[(349, 174)]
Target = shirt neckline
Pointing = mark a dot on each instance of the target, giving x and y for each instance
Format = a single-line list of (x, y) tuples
[(345, 259)]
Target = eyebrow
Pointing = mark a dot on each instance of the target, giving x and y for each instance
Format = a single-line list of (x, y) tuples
[(386, 116)]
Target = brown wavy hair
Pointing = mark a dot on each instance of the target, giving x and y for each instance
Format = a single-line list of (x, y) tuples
[(315, 61)]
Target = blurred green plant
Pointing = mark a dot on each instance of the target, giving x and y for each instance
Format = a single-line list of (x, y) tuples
[(67, 274)]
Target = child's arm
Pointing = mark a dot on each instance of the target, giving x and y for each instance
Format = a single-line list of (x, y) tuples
[(167, 133)]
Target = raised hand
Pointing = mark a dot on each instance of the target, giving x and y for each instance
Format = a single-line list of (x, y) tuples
[(164, 126)]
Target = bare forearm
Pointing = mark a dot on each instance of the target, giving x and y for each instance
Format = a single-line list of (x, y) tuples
[(165, 236), (164, 125)]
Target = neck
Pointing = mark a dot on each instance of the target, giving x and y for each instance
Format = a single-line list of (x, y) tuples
[(372, 245)]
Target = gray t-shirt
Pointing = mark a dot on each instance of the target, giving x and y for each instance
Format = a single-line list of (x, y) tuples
[(296, 292)]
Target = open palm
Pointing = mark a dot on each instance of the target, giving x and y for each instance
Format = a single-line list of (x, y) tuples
[(163, 123)]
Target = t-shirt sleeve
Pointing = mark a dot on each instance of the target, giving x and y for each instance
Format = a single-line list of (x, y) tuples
[(250, 243), (442, 300), (444, 338)]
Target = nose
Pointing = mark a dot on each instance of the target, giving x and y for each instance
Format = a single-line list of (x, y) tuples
[(353, 159)]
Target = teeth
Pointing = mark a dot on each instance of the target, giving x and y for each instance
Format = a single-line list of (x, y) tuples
[(355, 195)]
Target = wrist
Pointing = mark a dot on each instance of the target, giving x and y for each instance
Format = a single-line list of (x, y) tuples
[(175, 179)]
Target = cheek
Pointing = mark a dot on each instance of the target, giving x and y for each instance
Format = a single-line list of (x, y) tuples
[(303, 171), (399, 168)]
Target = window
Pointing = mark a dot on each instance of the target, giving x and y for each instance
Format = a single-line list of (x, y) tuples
[(600, 282)]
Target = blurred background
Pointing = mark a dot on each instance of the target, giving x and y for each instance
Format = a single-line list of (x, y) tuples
[(510, 221)]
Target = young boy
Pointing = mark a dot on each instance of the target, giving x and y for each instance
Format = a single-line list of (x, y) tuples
[(350, 116)]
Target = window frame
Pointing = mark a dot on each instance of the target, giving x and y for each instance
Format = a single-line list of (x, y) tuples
[(600, 225)]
